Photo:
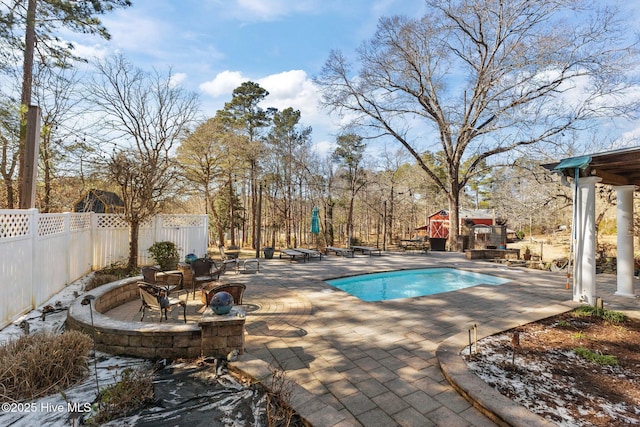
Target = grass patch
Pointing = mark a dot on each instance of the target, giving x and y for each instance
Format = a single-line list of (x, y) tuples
[(132, 391), (579, 336), (584, 311), (610, 316), (37, 365), (614, 317), (600, 359)]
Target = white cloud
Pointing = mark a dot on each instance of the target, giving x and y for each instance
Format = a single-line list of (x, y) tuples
[(269, 10), (134, 32), (286, 89), (93, 51), (291, 89), (178, 78), (223, 84)]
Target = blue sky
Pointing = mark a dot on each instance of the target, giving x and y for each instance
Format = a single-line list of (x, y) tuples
[(213, 46)]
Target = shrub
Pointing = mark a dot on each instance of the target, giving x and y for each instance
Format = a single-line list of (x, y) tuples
[(132, 391), (117, 269), (279, 410), (165, 254), (40, 364)]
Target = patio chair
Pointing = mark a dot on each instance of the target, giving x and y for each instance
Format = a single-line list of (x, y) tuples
[(155, 276), (204, 270), (228, 261), (250, 265), (156, 298), (235, 289), (149, 274)]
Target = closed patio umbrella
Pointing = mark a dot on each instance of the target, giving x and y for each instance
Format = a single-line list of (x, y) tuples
[(315, 221)]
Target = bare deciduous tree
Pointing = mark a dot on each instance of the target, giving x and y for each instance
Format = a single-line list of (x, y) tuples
[(349, 155), (480, 78), (149, 113)]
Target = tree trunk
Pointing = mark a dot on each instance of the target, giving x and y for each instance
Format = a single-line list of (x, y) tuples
[(350, 221), (46, 162), (27, 77), (454, 222), (216, 219), (133, 246), (328, 223), (232, 230), (10, 194)]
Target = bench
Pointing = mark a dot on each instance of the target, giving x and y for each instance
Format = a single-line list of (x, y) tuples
[(367, 249), (339, 251), (292, 254)]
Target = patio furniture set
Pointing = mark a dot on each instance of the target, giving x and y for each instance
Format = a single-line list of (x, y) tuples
[(156, 286)]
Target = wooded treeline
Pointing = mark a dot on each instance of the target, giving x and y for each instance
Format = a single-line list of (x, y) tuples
[(529, 87)]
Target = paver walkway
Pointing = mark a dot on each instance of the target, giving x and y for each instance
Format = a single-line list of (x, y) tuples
[(375, 362)]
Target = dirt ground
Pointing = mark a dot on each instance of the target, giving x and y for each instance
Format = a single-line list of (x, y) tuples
[(546, 375), (553, 246)]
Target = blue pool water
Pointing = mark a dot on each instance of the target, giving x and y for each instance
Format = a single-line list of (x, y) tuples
[(411, 283)]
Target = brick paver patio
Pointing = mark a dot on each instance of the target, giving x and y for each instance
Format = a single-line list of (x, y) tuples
[(375, 363)]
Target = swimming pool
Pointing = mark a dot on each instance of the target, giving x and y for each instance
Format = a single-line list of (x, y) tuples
[(411, 283)]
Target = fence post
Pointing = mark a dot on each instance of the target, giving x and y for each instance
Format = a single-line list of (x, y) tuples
[(205, 232), (33, 231), (94, 255), (67, 232), (157, 228)]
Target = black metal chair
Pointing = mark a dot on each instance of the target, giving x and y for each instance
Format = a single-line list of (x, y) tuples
[(170, 279), (149, 274), (157, 298), (204, 270)]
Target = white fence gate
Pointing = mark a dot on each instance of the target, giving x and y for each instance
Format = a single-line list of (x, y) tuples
[(42, 253)]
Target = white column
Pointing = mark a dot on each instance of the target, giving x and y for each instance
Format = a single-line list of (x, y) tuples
[(625, 240), (585, 256)]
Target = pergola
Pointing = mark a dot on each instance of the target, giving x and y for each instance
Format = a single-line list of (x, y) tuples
[(620, 169)]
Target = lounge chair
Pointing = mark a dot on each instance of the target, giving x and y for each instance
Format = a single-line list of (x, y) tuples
[(292, 254), (367, 249), (156, 298), (235, 289), (339, 251), (309, 253), (249, 265)]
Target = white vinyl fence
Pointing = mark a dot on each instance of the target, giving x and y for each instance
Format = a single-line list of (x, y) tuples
[(42, 253)]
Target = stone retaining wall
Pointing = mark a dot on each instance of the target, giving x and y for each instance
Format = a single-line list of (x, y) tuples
[(492, 253), (141, 339)]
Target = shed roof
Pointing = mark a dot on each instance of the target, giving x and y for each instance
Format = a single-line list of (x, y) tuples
[(617, 167), (467, 213)]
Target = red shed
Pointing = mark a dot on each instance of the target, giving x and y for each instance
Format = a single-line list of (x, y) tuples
[(438, 224)]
